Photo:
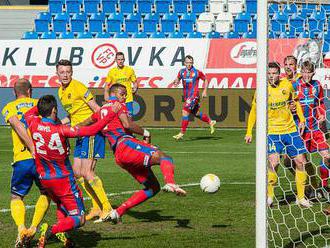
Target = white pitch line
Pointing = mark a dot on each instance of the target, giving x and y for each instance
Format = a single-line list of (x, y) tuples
[(5, 210)]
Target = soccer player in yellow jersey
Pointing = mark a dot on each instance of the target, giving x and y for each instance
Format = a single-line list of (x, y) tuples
[(283, 136), (24, 170), (78, 101), (124, 75)]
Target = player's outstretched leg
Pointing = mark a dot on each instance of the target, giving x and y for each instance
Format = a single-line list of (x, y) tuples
[(167, 168), (17, 208), (184, 125)]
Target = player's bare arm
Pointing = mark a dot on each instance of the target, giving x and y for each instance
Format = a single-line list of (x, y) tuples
[(66, 120), (206, 85), (19, 128), (135, 87), (176, 82), (93, 105)]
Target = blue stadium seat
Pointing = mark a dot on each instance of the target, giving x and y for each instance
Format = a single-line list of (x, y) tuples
[(60, 22), (194, 35), (297, 22), (157, 35), (96, 22), (162, 6), (55, 6), (176, 35), (271, 35), (84, 35), (144, 6), (132, 22), (168, 22), (121, 35), (78, 21), (115, 22), (314, 34), (273, 8), (213, 35), (250, 35), (48, 36), (326, 46), (126, 6), (231, 35), (91, 6), (304, 34), (290, 9), (242, 21), (103, 35), (30, 35), (279, 21), (318, 15), (187, 22), (287, 34), (251, 6), (326, 8), (66, 35), (41, 23), (310, 6), (139, 35), (73, 6), (109, 6), (305, 12), (150, 22), (181, 6), (198, 6)]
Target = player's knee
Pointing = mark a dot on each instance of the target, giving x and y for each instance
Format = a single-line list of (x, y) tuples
[(79, 220), (152, 188), (16, 197)]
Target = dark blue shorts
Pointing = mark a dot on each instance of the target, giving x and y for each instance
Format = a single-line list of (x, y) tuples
[(24, 174), (90, 147), (290, 144)]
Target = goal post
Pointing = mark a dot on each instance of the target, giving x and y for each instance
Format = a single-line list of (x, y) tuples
[(261, 125)]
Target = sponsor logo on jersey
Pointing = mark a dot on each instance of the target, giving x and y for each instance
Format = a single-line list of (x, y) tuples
[(73, 212)]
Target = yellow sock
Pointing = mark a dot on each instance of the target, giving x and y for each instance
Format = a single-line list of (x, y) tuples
[(310, 170), (97, 186), (96, 204), (301, 177), (40, 210), (18, 212), (272, 180)]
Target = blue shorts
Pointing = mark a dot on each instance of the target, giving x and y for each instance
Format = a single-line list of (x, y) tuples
[(90, 147), (129, 106), (24, 174), (290, 144)]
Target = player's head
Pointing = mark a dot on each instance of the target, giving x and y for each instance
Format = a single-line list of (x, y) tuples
[(307, 71), (188, 61), (120, 59), (22, 87), (64, 71), (290, 66), (274, 71), (47, 106), (119, 91)]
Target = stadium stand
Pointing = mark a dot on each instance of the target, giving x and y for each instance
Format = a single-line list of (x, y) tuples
[(177, 19)]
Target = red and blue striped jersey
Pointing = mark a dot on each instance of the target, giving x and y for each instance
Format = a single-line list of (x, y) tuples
[(51, 144), (311, 98), (115, 129), (190, 79)]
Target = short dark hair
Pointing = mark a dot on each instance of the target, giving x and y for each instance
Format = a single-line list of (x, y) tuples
[(307, 65), (275, 65), (63, 62), (115, 87), (120, 54), (22, 86), (46, 104), (290, 57), (189, 57)]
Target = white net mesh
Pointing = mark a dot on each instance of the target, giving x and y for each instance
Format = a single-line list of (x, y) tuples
[(291, 224)]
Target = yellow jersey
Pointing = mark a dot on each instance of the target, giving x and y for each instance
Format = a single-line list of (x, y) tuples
[(74, 99), (280, 118), (19, 107), (125, 76)]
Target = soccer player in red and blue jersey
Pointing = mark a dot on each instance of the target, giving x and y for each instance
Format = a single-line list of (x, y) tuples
[(135, 156), (311, 97), (53, 164), (190, 77)]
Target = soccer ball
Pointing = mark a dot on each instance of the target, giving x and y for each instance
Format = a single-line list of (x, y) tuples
[(210, 183)]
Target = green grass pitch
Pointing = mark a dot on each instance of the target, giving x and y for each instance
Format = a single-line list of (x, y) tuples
[(223, 219)]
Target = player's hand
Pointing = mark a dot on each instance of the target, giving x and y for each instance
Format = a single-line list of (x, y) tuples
[(175, 83), (147, 140), (301, 127), (248, 139), (321, 118), (204, 94), (116, 107)]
